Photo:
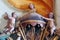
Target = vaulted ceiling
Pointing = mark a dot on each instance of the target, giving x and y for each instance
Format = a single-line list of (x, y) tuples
[(43, 7)]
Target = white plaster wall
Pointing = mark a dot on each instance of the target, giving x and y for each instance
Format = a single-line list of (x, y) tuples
[(57, 6)]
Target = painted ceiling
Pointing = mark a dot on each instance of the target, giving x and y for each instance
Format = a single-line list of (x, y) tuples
[(43, 7)]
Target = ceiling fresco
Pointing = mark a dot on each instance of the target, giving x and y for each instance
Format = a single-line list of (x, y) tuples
[(43, 7)]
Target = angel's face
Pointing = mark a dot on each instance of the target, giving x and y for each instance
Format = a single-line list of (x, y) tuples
[(51, 15), (14, 15), (31, 6)]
